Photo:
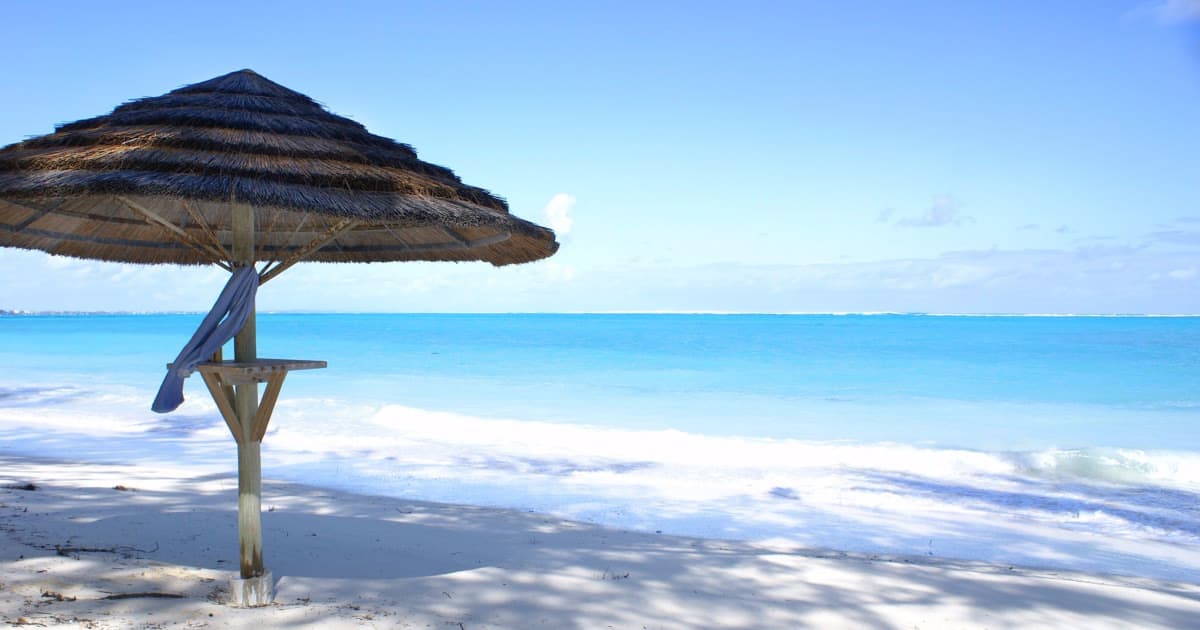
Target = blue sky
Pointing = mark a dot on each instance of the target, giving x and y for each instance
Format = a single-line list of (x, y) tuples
[(697, 156)]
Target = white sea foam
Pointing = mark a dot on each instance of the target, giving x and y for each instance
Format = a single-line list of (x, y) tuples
[(1107, 510), (1115, 510)]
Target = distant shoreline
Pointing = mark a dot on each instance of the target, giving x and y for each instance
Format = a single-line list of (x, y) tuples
[(26, 313)]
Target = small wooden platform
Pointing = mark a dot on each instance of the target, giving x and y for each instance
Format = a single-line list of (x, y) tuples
[(260, 371), (222, 376)]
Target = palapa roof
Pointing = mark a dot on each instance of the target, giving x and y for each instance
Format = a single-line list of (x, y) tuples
[(155, 181)]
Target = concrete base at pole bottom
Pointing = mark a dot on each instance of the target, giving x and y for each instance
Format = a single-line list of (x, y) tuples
[(252, 592)]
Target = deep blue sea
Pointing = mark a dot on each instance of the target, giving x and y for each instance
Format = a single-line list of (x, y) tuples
[(1048, 441)]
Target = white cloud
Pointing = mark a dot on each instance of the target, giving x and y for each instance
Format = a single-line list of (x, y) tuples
[(949, 276), (943, 212), (558, 272), (1183, 274), (61, 262), (558, 213), (1177, 11)]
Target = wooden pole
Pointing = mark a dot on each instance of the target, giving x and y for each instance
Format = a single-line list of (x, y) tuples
[(245, 347)]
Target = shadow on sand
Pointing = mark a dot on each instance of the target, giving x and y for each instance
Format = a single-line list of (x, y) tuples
[(336, 553)]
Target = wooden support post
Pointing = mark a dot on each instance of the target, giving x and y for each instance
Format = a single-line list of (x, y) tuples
[(234, 387), (245, 347)]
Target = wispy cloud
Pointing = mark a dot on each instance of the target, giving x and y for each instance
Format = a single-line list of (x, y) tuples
[(1111, 279), (1182, 274), (1093, 240), (558, 213), (1176, 237), (943, 213), (1101, 278), (1176, 11), (555, 271), (63, 283)]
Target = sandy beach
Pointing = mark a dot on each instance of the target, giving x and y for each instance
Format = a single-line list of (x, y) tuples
[(116, 546), (629, 315)]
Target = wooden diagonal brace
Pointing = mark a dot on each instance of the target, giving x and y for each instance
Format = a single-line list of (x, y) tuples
[(153, 218), (317, 243), (224, 399), (267, 406), (208, 231)]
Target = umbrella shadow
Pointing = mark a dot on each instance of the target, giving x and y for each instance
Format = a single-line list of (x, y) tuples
[(1166, 509), (462, 562), (553, 467), (182, 425), (39, 396)]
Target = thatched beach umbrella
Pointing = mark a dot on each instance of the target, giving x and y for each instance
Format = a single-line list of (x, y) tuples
[(237, 171)]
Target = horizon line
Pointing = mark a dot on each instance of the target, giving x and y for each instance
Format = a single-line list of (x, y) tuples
[(34, 313)]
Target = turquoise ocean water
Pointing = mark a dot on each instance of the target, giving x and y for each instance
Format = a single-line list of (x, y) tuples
[(1056, 441)]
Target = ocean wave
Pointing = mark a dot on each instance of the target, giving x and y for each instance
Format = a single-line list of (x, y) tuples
[(538, 447), (1115, 465)]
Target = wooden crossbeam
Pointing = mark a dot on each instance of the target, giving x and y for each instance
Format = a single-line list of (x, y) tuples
[(458, 238), (37, 213)]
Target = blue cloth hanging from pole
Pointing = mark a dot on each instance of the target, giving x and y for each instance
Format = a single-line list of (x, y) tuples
[(222, 323)]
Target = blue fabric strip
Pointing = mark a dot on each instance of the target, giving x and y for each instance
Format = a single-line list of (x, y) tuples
[(222, 323)]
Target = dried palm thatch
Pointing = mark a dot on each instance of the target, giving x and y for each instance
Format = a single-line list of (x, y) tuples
[(155, 181)]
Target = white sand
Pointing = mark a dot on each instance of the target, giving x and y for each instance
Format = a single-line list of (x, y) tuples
[(345, 560)]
